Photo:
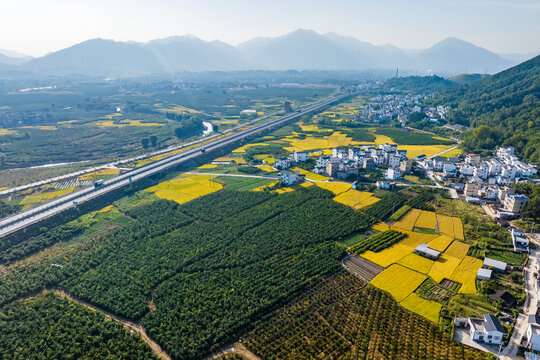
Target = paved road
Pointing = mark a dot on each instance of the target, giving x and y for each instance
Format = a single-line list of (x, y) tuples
[(529, 307), (36, 214), (118, 163), (443, 152)]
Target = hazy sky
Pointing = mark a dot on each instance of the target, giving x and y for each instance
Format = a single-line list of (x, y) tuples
[(36, 27)]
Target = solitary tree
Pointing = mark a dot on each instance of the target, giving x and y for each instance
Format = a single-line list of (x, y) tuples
[(145, 142), (153, 140)]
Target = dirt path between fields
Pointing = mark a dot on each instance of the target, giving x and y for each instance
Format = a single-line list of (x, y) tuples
[(134, 326), (237, 348)]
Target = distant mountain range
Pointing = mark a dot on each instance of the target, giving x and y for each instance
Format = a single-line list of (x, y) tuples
[(298, 50)]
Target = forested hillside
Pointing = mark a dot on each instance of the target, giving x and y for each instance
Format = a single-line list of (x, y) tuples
[(504, 109)]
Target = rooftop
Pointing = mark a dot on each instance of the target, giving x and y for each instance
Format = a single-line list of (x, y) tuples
[(426, 250), (500, 265), (518, 196), (478, 324), (535, 329), (534, 319), (484, 273), (491, 323)]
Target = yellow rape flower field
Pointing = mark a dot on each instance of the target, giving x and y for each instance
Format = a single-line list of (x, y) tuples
[(427, 308), (184, 188), (398, 281)]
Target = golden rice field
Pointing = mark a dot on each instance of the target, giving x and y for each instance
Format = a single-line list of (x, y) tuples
[(242, 149), (383, 139), (408, 220), (207, 166), (178, 109), (427, 220), (458, 228), (426, 308), (335, 187), (124, 123), (7, 132), (388, 256), (310, 175), (453, 153), (269, 160), (35, 199), (417, 263), (444, 267), (465, 274), (356, 199), (326, 142), (266, 168), (310, 127), (238, 160), (327, 151), (457, 249), (413, 179), (294, 187), (41, 127), (414, 239), (106, 209), (103, 172), (440, 243), (111, 116), (428, 150), (380, 226), (261, 188), (446, 225), (184, 188), (399, 281)]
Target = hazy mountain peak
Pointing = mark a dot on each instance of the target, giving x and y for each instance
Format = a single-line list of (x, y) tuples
[(302, 49)]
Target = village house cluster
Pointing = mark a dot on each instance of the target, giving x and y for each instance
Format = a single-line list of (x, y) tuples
[(485, 180), (346, 162), (383, 108)]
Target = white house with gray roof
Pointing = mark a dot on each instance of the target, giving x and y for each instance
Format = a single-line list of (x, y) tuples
[(487, 330)]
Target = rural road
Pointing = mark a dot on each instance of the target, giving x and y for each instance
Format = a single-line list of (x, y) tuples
[(36, 214), (137, 327), (529, 307)]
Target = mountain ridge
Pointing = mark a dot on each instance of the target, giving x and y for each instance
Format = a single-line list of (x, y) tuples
[(301, 49)]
